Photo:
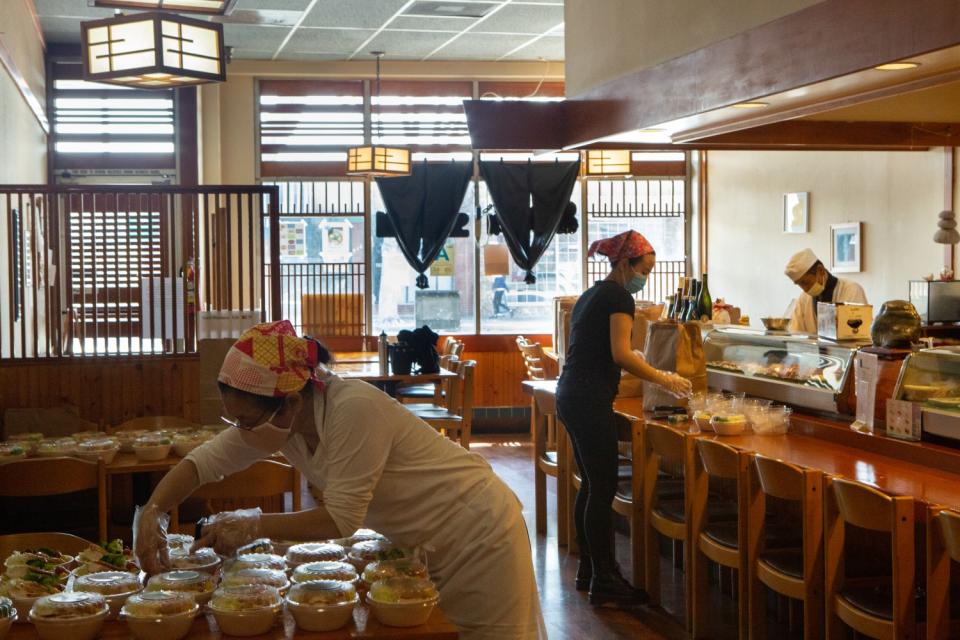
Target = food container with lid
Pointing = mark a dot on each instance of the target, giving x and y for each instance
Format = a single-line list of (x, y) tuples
[(247, 610), (728, 424), (160, 615), (778, 421), (177, 541), (10, 451), (69, 616), (256, 561), (322, 605), (336, 570), (8, 615), (361, 535), (260, 545), (200, 585), (105, 449), (56, 447), (381, 570), (314, 552), (151, 448), (363, 553), (127, 437), (29, 440), (187, 441), (270, 577), (83, 436), (205, 560), (115, 586), (403, 602)]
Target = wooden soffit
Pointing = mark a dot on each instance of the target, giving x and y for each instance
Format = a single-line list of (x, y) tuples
[(810, 62)]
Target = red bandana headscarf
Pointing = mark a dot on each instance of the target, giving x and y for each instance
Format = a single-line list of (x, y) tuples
[(270, 360), (628, 244)]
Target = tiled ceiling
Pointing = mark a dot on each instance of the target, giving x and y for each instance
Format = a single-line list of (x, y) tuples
[(351, 29)]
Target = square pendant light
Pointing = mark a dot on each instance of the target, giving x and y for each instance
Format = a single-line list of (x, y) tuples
[(213, 7), (608, 162), (153, 51), (376, 160)]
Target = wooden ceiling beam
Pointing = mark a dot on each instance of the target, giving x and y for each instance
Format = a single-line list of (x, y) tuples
[(851, 135)]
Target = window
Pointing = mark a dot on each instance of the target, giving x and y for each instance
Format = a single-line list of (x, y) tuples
[(427, 117)]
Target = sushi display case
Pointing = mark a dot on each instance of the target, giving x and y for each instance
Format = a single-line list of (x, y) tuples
[(931, 378)]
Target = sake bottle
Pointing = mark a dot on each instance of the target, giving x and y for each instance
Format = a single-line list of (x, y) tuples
[(705, 302)]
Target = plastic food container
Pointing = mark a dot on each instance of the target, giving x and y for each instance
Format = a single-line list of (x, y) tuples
[(30, 440), (730, 424), (151, 448), (97, 449), (127, 438), (10, 451), (54, 447), (363, 553), (160, 615), (69, 616), (363, 535), (204, 560), (376, 571), (257, 561), (246, 611), (270, 577), (260, 545), (779, 421), (340, 571), (314, 552), (184, 443), (176, 541), (403, 602), (199, 585), (115, 586), (322, 605), (8, 615)]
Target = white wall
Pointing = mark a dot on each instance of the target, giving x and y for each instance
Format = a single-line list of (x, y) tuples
[(897, 195)]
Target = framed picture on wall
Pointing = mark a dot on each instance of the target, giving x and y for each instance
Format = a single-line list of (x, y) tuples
[(846, 247), (795, 212)]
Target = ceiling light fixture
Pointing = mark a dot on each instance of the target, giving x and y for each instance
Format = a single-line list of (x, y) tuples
[(751, 105), (212, 7), (897, 66), (377, 160), (608, 162), (153, 51)]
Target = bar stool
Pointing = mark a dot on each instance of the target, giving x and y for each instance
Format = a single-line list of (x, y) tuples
[(723, 542), (626, 501), (874, 607), (943, 546), (794, 570), (548, 461), (671, 451)]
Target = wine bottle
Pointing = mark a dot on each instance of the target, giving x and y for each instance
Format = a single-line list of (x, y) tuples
[(682, 292), (705, 302), (691, 312)]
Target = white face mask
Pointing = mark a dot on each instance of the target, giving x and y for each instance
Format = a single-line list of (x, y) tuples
[(267, 437), (816, 289)]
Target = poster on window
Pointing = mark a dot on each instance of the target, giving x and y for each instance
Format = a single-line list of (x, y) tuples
[(336, 242), (293, 239), (443, 265)]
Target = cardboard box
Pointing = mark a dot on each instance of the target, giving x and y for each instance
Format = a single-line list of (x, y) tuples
[(844, 321)]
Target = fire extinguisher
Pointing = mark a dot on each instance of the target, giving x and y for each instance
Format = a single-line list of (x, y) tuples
[(189, 272)]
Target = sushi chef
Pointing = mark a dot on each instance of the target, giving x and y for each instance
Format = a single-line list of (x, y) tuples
[(378, 466), (818, 285)]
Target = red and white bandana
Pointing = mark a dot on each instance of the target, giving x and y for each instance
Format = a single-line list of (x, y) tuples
[(628, 244), (270, 360)]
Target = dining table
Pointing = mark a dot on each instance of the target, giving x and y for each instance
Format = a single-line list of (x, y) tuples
[(365, 365)]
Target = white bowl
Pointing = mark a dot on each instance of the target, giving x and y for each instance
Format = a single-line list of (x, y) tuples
[(85, 628), (728, 428), (322, 618), (246, 623), (170, 627), (402, 614), (151, 453)]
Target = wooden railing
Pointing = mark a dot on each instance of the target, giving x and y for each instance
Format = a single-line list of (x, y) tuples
[(323, 299), (132, 270)]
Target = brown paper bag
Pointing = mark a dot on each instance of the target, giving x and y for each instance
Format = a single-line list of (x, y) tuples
[(678, 348), (630, 385)]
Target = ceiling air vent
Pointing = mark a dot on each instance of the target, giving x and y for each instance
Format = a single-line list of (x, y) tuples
[(452, 9)]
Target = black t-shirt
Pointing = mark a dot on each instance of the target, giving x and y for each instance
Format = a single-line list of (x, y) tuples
[(588, 367)]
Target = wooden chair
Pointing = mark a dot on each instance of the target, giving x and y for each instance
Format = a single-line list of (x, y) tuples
[(428, 391), (875, 607), (547, 462), (62, 542), (722, 542), (943, 549), (36, 477), (792, 569), (455, 417), (628, 500), (532, 354), (669, 516), (156, 422)]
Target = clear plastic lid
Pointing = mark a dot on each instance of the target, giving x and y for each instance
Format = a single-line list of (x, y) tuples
[(403, 590), (6, 607), (152, 440), (363, 535), (192, 436), (151, 604), (130, 434), (108, 583), (98, 444), (201, 558), (191, 581), (392, 568), (314, 552), (374, 550), (179, 541), (57, 444), (322, 593), (257, 561), (260, 545), (269, 577), (342, 571), (245, 598), (69, 605)]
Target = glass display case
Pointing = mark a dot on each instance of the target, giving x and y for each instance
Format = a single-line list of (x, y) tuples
[(794, 369), (931, 377)]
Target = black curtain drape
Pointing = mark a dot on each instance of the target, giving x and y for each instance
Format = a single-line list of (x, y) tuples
[(529, 230), (423, 209)]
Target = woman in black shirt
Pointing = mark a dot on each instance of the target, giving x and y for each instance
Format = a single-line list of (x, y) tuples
[(598, 348)]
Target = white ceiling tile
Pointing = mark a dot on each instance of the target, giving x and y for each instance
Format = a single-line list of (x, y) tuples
[(472, 46), (353, 13), (296, 55), (273, 5), (522, 19), (548, 48), (420, 23), (405, 45), (258, 37), (345, 41)]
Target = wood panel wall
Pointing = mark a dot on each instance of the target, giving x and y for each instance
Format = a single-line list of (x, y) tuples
[(107, 391), (499, 369)]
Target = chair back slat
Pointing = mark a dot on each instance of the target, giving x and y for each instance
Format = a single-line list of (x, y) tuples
[(667, 444), (863, 506), (950, 529), (47, 477), (719, 460), (779, 479)]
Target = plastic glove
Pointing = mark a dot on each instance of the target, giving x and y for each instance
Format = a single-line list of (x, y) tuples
[(229, 530), (150, 539), (676, 384)]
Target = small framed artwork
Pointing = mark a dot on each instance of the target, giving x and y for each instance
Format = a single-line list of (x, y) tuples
[(795, 212), (846, 247)]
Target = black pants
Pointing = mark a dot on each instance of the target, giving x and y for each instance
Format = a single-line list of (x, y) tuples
[(592, 427), (498, 302)]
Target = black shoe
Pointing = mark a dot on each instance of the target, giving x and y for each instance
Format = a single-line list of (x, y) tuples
[(609, 587), (584, 574)]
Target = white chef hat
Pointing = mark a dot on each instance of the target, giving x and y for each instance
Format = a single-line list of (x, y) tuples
[(800, 263)]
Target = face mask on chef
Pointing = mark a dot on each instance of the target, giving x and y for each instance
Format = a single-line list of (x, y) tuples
[(814, 281), (637, 271)]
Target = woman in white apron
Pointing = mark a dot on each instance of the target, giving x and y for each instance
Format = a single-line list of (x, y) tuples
[(378, 466)]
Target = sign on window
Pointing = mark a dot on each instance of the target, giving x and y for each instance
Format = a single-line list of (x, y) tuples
[(293, 239), (443, 265)]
